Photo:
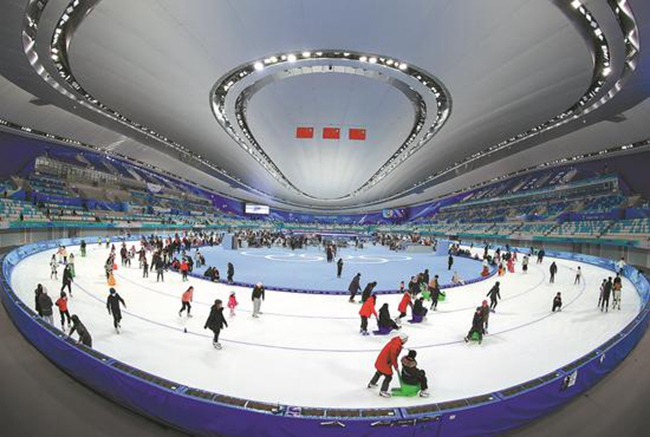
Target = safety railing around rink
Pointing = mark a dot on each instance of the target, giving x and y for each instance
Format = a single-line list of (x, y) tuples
[(209, 414)]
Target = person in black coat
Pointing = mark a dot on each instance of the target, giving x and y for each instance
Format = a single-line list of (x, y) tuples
[(384, 320), (67, 279), (216, 322), (230, 272), (435, 295), (257, 297), (37, 304), (339, 267), (493, 294), (607, 291), (540, 256), (450, 262), (160, 268), (418, 307), (354, 286), (80, 328), (477, 326), (425, 276), (368, 291), (113, 306), (557, 302), (552, 270), (46, 304)]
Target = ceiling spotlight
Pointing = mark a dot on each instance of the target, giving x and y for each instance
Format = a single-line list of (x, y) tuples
[(291, 58), (363, 58), (346, 54), (274, 59), (606, 71), (306, 54), (259, 66), (372, 60), (403, 66), (389, 62)]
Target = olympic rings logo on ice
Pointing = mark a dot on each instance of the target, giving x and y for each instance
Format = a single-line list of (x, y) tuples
[(351, 259)]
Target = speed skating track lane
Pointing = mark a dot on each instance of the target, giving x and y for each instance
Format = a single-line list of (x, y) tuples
[(313, 358)]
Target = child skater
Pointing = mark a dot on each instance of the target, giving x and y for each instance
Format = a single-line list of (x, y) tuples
[(384, 320), (557, 302), (54, 266), (216, 322), (578, 276), (412, 375), (232, 303), (145, 267), (186, 300), (477, 326), (62, 304)]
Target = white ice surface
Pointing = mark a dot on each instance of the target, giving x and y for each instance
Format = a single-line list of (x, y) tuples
[(306, 349)]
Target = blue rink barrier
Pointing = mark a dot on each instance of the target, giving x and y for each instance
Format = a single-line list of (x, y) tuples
[(210, 414)]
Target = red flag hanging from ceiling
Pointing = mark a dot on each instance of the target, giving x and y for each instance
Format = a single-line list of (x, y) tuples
[(331, 133), (304, 132), (357, 134)]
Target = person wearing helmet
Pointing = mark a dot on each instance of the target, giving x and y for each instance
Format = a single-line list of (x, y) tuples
[(412, 375), (386, 361), (477, 326)]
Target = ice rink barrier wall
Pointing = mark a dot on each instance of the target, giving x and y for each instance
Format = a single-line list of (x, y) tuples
[(210, 414)]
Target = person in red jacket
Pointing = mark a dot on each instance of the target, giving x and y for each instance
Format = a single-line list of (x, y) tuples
[(62, 304), (186, 299), (185, 267), (387, 360), (366, 311), (404, 304)]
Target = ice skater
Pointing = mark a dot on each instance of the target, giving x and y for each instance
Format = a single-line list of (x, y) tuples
[(113, 306), (607, 291), (230, 272), (485, 310), (367, 310), (387, 360), (384, 321), (403, 306), (354, 286), (450, 261), (477, 326), (617, 287), (37, 303), (145, 267), (80, 328), (412, 375), (257, 297), (185, 268), (54, 268), (494, 294), (62, 304), (67, 279), (576, 281), (216, 322), (620, 266), (368, 290), (232, 303), (602, 292), (540, 256), (45, 304), (524, 264), (553, 271), (435, 295), (82, 248), (160, 269), (339, 267), (186, 300), (557, 302)]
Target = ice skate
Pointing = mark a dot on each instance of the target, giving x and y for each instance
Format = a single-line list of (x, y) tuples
[(371, 385), (384, 394), (218, 346), (466, 339), (424, 393)]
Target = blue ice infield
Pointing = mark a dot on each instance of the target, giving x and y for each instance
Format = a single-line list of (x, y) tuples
[(308, 269)]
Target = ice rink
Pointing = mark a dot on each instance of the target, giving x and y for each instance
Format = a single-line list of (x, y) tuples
[(306, 349)]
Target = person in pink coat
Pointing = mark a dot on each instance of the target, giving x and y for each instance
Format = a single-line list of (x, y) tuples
[(186, 300), (232, 303)]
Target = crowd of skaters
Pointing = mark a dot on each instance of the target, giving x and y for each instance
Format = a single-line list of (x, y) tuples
[(174, 253)]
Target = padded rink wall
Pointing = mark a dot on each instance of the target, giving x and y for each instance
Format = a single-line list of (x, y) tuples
[(210, 414)]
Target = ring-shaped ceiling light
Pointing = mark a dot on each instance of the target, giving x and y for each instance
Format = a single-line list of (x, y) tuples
[(231, 94)]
